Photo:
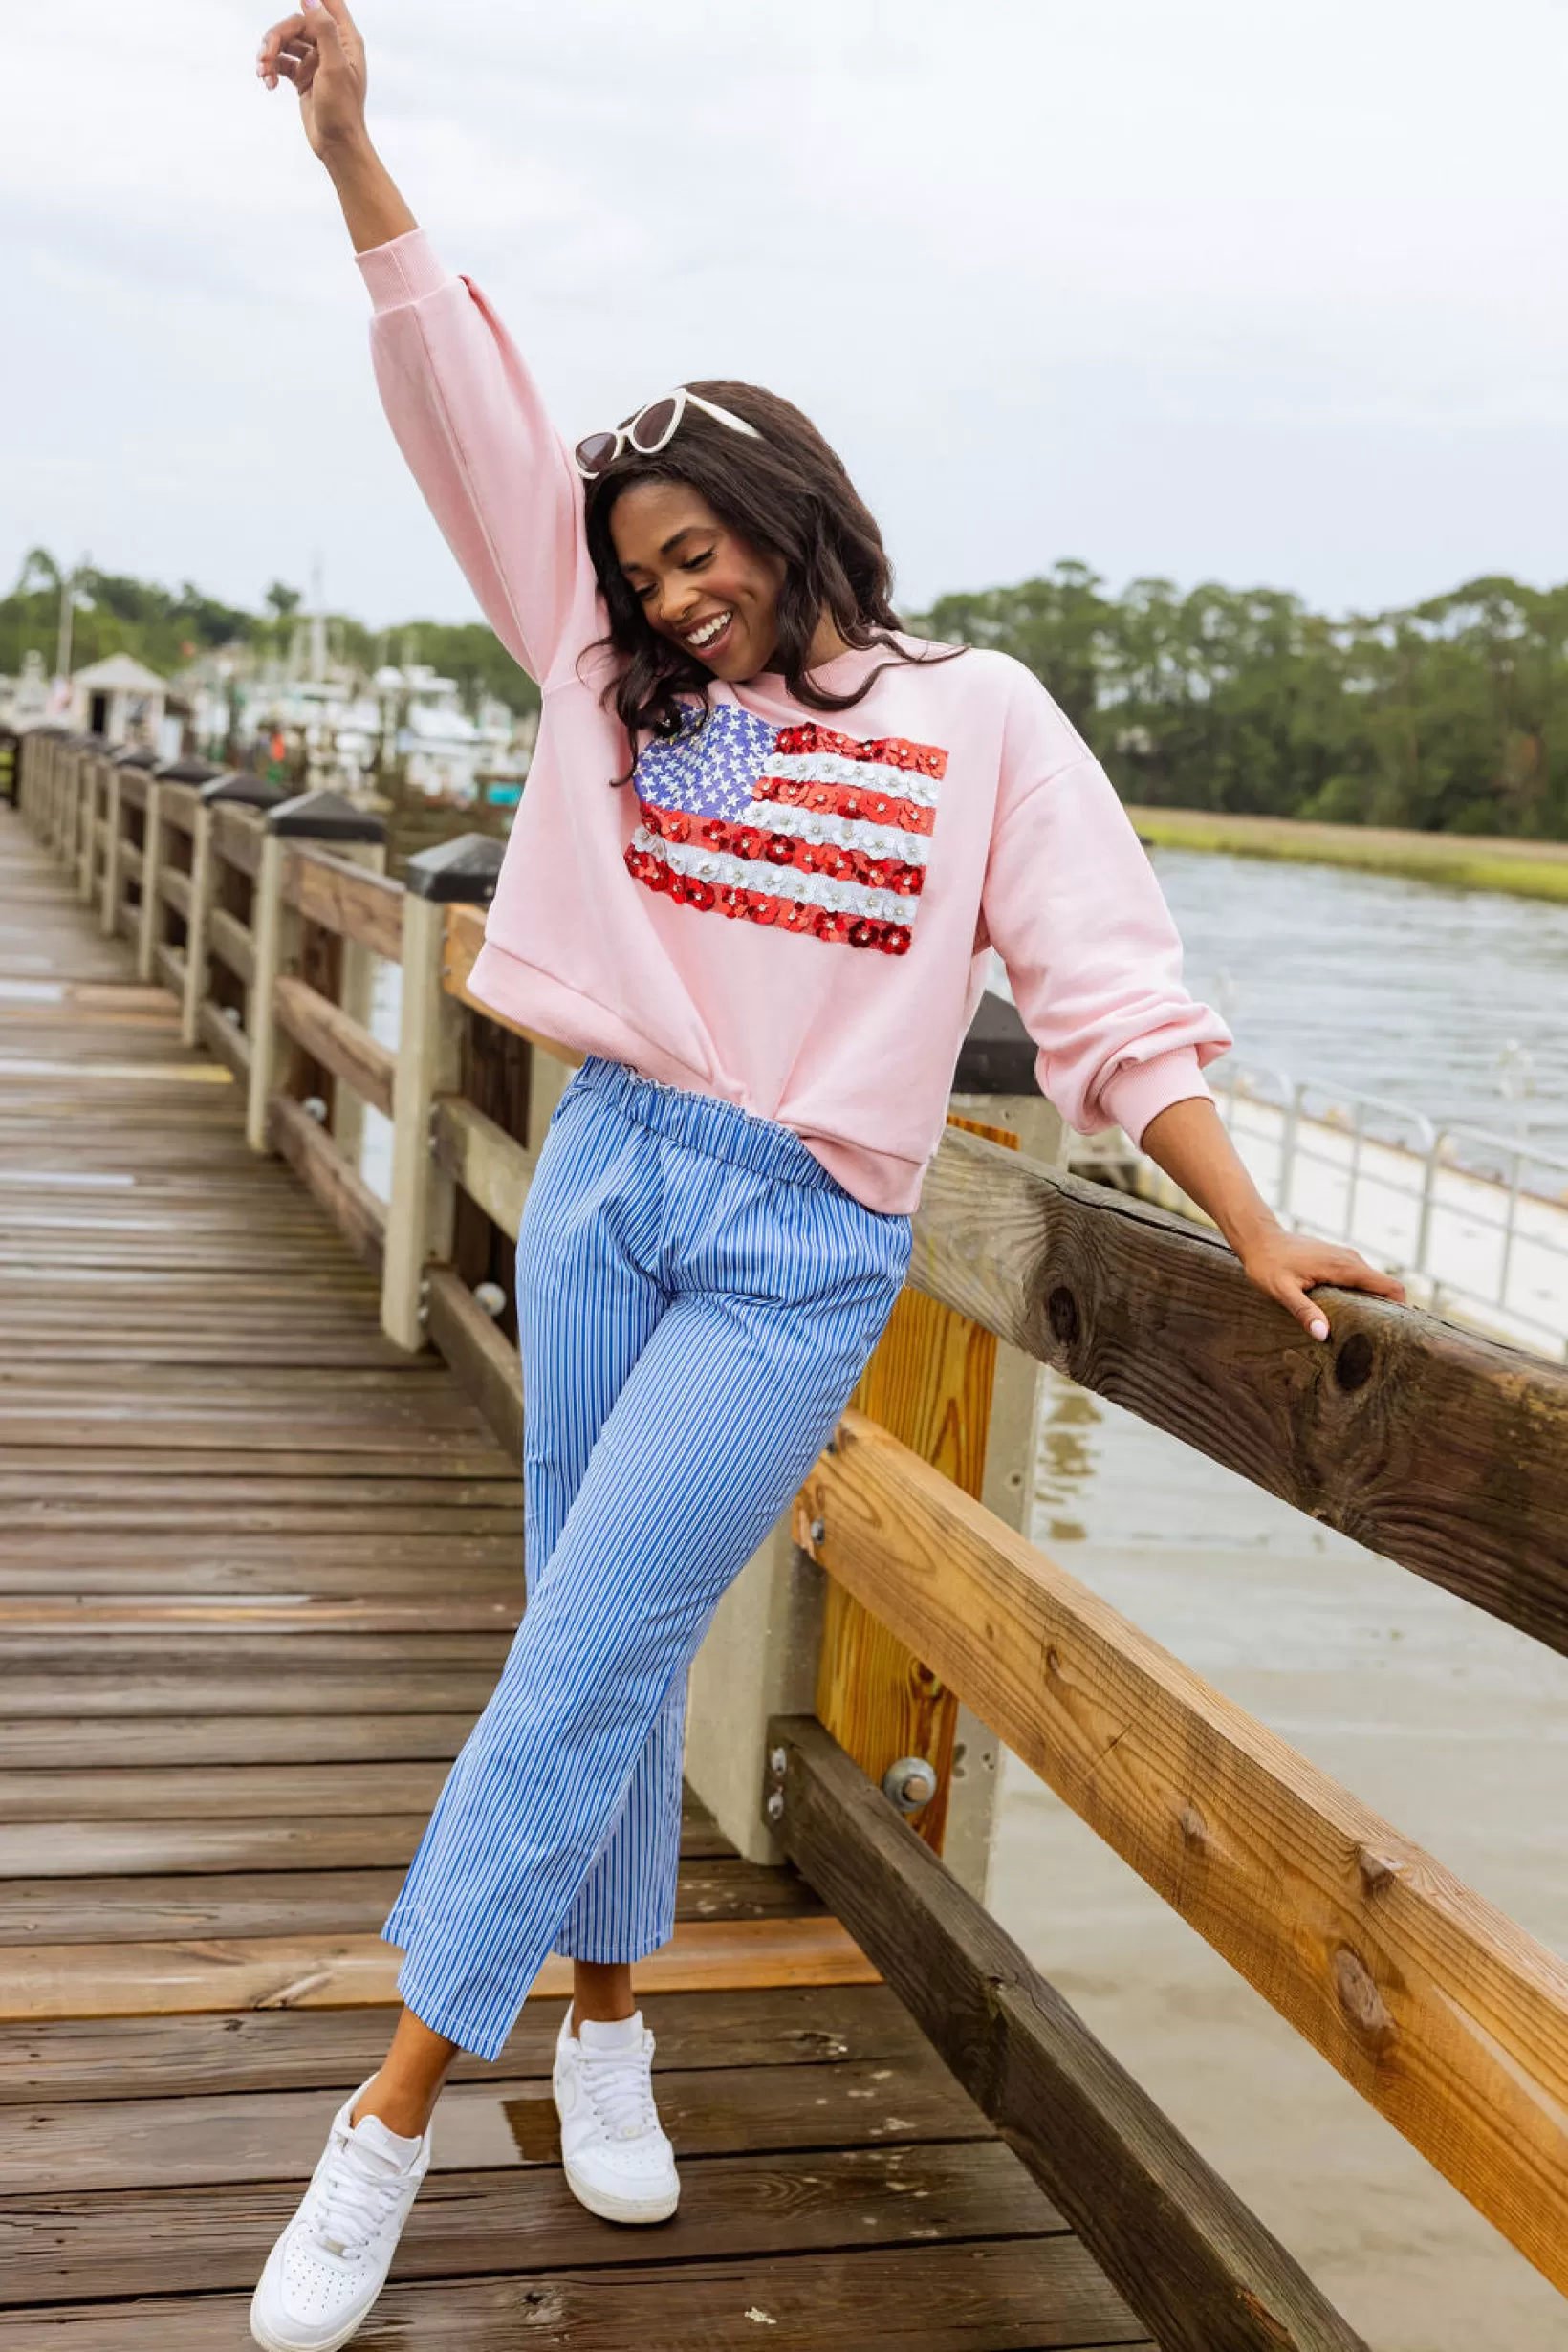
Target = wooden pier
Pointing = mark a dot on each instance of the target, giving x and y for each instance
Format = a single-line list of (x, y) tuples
[(260, 1553)]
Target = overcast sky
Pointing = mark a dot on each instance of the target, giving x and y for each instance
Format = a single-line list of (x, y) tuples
[(1214, 288)]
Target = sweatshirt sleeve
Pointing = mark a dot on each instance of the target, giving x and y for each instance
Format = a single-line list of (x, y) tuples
[(495, 474), (1072, 906)]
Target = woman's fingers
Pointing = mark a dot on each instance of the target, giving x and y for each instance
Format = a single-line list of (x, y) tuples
[(1307, 1312), (287, 29), (297, 63)]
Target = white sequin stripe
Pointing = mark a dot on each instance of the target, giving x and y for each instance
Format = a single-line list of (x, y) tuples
[(848, 831), (867, 776), (779, 881)]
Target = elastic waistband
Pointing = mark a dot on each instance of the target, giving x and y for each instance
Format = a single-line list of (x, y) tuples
[(703, 1122)]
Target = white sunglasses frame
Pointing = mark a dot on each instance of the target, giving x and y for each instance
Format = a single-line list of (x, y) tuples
[(625, 435)]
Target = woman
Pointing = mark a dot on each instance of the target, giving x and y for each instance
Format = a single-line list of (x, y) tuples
[(767, 847)]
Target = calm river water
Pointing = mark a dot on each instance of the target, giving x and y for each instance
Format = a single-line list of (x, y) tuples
[(1453, 1002), (1452, 1726)]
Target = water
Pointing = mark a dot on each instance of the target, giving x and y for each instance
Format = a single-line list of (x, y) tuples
[(1394, 987)]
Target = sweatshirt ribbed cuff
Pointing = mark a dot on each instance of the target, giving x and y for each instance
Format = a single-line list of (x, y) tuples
[(1136, 1094), (402, 272)]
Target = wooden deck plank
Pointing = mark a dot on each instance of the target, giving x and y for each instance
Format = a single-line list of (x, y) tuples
[(62, 2059), (1021, 2294), (277, 2135), (67, 2246), (338, 1970), (273, 1902)]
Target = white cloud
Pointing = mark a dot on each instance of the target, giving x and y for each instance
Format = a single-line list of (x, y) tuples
[(1217, 289)]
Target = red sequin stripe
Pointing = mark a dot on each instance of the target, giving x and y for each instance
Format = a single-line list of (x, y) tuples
[(765, 907), (851, 801), (889, 751), (756, 842)]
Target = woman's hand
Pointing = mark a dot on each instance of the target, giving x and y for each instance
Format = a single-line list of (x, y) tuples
[(1288, 1265), (320, 52), (1189, 1141)]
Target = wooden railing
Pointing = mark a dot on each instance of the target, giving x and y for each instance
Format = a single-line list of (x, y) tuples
[(1444, 1452)]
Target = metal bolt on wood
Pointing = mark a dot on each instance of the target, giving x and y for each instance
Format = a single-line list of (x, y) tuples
[(911, 1784), (818, 1531)]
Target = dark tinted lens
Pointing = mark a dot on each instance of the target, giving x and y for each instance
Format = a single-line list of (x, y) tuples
[(651, 427), (595, 452)]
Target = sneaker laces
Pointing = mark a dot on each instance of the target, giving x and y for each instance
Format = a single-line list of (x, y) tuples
[(620, 2083), (358, 2194)]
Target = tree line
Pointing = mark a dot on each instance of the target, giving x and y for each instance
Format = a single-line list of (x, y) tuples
[(1447, 716), (169, 627)]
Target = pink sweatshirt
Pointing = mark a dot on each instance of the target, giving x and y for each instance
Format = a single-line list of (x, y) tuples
[(792, 911)]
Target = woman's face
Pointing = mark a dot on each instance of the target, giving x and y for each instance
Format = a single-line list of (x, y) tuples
[(708, 592)]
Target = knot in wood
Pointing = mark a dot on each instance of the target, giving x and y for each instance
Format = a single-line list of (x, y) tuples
[(1352, 1365), (1063, 1312), (1363, 2004), (1375, 1869), (1194, 1827)]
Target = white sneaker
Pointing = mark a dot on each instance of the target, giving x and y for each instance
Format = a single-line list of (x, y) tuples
[(331, 2261), (619, 2163)]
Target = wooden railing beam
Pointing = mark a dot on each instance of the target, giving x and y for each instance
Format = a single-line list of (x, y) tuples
[(1447, 1453), (1447, 2016)]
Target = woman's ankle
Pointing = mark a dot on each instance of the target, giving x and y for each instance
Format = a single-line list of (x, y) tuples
[(403, 2111), (602, 1993)]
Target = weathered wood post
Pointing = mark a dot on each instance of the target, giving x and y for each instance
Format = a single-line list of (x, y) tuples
[(330, 821), (148, 927), (420, 1216), (87, 848), (114, 818), (994, 1084)]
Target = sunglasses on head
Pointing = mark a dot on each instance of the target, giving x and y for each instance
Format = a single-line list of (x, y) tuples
[(653, 428)]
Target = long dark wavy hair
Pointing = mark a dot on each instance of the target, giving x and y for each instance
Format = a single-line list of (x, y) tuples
[(788, 494)]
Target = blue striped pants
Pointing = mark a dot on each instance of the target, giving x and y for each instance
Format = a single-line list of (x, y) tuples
[(696, 1298)]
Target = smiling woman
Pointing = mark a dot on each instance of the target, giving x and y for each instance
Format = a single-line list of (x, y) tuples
[(766, 945)]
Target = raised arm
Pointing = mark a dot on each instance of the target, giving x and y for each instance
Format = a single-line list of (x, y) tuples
[(320, 52), (466, 412)]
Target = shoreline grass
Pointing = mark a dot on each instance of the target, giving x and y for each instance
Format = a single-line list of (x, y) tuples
[(1459, 862)]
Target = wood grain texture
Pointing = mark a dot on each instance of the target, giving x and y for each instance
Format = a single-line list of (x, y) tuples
[(341, 1044), (1024, 2294), (503, 2124), (316, 2050), (118, 1911), (231, 943), (483, 1362), (480, 1155), (1447, 2016), (929, 1382), (1447, 1453), (351, 1972), (342, 1190), (347, 899), (1202, 2274), (237, 835), (66, 2245)]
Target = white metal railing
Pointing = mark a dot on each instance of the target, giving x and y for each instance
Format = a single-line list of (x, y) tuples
[(1475, 1221)]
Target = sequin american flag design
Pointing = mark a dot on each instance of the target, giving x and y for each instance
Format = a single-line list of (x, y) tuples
[(798, 827)]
